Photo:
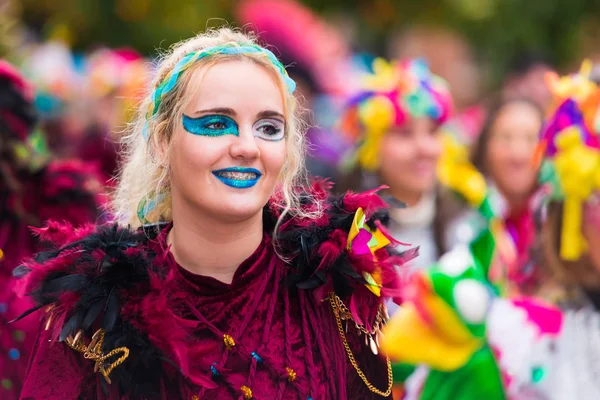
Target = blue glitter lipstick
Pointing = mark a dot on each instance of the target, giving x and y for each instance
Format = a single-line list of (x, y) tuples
[(238, 177)]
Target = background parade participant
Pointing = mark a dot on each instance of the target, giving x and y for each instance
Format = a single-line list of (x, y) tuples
[(503, 153), (33, 189)]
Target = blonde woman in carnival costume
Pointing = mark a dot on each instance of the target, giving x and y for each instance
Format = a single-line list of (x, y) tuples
[(243, 282)]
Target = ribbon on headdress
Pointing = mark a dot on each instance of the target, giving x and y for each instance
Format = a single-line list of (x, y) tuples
[(364, 240), (188, 60)]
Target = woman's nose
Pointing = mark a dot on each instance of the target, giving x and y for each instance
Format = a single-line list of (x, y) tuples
[(245, 146)]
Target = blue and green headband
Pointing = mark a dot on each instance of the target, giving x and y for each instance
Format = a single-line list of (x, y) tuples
[(230, 48)]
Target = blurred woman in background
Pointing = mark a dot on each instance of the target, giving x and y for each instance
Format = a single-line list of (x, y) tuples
[(504, 153), (394, 122), (569, 179)]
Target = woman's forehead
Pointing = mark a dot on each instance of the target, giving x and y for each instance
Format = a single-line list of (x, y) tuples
[(236, 84)]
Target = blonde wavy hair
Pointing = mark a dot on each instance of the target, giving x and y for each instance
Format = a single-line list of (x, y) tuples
[(145, 174)]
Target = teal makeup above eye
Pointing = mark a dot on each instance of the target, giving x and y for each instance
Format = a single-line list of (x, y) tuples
[(210, 125), (269, 129)]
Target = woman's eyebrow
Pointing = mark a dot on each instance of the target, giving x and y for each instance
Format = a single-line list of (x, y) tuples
[(270, 114), (218, 110)]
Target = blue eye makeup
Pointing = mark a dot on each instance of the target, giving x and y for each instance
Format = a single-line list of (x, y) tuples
[(210, 125), (269, 129)]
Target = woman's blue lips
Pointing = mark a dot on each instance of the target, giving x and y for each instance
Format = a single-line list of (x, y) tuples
[(226, 176)]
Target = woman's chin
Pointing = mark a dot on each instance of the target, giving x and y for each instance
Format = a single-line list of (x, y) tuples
[(238, 211)]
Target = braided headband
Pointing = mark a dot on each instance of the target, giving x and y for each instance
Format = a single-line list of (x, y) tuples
[(230, 48)]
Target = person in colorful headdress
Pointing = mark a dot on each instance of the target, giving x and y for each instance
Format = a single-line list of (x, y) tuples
[(243, 281), (34, 188), (394, 121), (569, 153)]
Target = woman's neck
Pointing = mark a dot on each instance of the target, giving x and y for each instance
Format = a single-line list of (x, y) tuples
[(207, 246), (517, 204), (409, 198)]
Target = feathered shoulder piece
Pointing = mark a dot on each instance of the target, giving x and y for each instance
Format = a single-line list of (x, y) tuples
[(90, 287), (341, 245)]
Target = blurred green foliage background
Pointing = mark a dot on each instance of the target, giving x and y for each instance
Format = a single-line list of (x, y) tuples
[(563, 30)]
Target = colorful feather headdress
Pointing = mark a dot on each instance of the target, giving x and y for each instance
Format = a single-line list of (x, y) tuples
[(392, 94), (569, 153)]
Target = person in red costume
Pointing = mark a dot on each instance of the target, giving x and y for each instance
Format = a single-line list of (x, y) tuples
[(244, 281), (33, 189)]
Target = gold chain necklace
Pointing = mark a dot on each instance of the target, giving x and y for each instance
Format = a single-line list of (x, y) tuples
[(341, 312)]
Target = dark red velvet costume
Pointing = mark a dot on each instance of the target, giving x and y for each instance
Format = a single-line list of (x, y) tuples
[(30, 195), (270, 334)]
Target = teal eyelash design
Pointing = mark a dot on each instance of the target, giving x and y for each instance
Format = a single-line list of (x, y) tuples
[(230, 48), (199, 126)]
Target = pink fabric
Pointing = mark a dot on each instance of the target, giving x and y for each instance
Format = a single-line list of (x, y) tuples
[(521, 271), (285, 327), (546, 317)]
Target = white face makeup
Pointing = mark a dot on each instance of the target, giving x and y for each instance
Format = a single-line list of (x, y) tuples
[(229, 148)]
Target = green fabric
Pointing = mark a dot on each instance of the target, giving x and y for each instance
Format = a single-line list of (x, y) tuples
[(547, 175), (485, 209), (479, 379), (483, 249), (444, 284), (401, 372)]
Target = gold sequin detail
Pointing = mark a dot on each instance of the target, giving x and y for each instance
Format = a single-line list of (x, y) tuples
[(247, 392), (229, 342), (291, 374), (94, 352), (1, 254), (194, 397)]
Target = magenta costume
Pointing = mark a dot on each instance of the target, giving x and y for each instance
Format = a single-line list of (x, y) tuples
[(32, 190), (161, 332)]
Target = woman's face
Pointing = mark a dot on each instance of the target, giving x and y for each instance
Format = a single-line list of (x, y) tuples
[(229, 147), (513, 139), (408, 158)]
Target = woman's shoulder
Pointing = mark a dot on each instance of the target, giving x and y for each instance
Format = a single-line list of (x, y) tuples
[(93, 285), (81, 258), (339, 244)]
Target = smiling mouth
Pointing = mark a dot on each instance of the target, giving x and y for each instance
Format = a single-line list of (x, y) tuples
[(238, 177)]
